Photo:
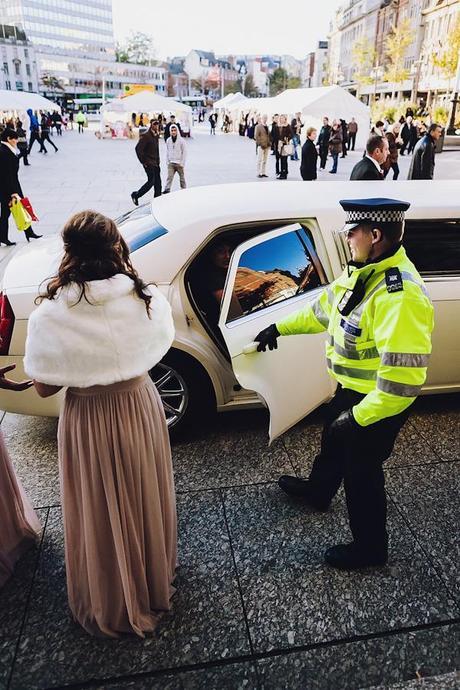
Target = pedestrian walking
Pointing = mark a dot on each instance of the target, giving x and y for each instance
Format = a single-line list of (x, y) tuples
[(56, 118), (263, 143), (34, 132), (422, 163), (71, 119), (394, 142), (176, 154), (369, 167), (213, 123), (284, 146), (148, 153), (296, 126), (20, 525), (378, 128), (45, 132), (323, 142), (22, 142), (309, 158), (10, 187), (335, 144), (275, 137), (408, 135), (167, 129), (344, 126), (81, 120), (352, 132), (379, 321), (98, 329)]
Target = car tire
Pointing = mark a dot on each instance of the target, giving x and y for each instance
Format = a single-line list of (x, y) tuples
[(186, 392)]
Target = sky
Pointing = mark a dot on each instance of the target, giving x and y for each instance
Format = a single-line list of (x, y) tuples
[(245, 27)]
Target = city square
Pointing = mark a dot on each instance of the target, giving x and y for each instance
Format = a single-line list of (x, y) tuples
[(190, 499)]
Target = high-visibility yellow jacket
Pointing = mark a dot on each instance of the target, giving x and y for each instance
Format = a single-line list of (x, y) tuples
[(382, 347)]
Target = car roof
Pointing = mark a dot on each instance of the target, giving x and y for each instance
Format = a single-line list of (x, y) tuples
[(191, 215)]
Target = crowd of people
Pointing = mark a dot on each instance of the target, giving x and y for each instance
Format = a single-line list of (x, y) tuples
[(336, 137)]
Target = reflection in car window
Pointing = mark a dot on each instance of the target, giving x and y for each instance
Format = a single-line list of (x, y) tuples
[(273, 271), (434, 246), (139, 227)]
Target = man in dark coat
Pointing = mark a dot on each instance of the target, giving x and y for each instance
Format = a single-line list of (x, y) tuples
[(148, 153), (9, 182), (422, 163), (323, 142), (409, 136), (309, 156), (172, 121), (368, 168), (275, 137)]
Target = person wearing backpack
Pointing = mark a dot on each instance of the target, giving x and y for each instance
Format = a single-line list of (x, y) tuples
[(45, 132)]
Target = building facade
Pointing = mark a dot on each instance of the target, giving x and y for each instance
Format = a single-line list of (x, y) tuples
[(18, 64), (75, 49)]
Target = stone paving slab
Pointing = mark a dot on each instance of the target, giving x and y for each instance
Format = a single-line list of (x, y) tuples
[(7, 649), (292, 598), (448, 681), (364, 663)]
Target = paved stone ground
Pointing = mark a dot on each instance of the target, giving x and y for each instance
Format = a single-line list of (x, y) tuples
[(255, 605)]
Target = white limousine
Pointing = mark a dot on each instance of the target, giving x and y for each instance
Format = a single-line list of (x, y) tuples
[(232, 259)]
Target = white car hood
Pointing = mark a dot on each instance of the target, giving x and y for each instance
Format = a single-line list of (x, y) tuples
[(31, 265)]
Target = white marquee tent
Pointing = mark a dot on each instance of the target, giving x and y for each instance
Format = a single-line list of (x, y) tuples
[(314, 104), (144, 102), (22, 100), (230, 101)]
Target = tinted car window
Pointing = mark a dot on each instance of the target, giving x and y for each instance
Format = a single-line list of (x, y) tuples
[(139, 227), (274, 271), (434, 246)]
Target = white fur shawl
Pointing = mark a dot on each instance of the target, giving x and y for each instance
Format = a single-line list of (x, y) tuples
[(108, 340)]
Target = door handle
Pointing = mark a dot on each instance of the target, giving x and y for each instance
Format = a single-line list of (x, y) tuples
[(250, 348)]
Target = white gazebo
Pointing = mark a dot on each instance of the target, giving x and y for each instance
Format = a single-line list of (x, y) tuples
[(230, 101), (145, 102), (314, 104), (23, 100)]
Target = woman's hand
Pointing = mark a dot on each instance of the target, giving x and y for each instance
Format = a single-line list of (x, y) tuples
[(9, 385)]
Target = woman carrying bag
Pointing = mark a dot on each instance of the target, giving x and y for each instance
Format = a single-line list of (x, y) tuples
[(10, 188), (285, 147), (335, 145), (98, 330)]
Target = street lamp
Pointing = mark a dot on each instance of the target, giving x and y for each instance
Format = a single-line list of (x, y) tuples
[(454, 100), (415, 74), (376, 74)]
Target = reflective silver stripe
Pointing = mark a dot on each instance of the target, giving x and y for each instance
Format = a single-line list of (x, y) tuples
[(330, 339), (353, 353), (404, 390), (351, 372), (408, 276), (330, 296), (320, 314), (405, 359)]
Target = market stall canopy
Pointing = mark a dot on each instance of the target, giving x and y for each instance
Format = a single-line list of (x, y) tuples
[(230, 100), (22, 100), (145, 102), (314, 104)]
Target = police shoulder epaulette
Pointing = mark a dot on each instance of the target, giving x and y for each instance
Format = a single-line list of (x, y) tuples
[(394, 280)]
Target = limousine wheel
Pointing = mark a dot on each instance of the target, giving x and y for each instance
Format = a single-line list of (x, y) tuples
[(185, 391)]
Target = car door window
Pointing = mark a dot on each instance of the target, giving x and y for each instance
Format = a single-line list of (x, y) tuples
[(434, 246), (274, 271)]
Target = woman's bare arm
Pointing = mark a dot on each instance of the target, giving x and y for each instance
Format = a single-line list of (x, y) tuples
[(44, 390)]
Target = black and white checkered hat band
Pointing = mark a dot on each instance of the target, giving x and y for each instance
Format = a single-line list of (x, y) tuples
[(377, 216)]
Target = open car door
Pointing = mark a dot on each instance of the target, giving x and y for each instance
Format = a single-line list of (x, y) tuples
[(269, 277)]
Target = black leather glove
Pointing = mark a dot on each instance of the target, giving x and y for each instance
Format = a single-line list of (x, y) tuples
[(345, 425), (267, 337)]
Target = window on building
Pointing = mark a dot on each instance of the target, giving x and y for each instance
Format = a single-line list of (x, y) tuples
[(28, 70), (30, 86), (434, 246), (17, 69), (8, 85), (26, 53), (5, 68)]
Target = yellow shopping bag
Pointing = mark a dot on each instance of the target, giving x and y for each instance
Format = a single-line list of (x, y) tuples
[(20, 215)]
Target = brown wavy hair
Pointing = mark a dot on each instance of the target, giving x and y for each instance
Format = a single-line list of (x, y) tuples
[(94, 250)]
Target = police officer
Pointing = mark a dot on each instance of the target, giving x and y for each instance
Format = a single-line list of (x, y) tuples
[(379, 320)]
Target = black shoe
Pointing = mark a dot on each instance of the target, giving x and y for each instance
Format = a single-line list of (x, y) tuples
[(333, 172), (134, 198), (302, 489), (264, 175), (30, 235), (7, 243), (350, 557), (26, 163), (259, 175)]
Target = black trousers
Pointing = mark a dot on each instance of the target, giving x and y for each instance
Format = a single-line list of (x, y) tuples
[(358, 462), (277, 160), (23, 154), (35, 136), (284, 166), (46, 137), (323, 156), (153, 180), (351, 140), (4, 216)]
